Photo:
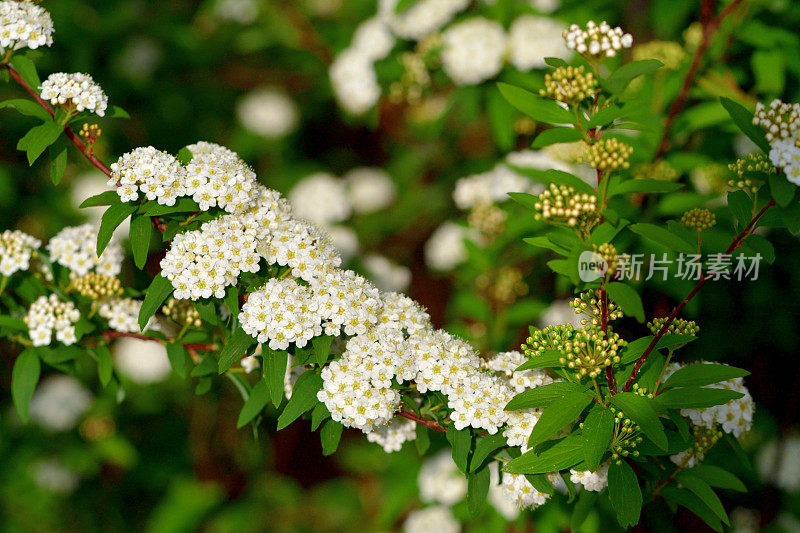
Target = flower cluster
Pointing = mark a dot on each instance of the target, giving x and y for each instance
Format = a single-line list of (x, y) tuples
[(440, 481), (506, 364), (531, 39), (679, 326), (158, 175), (593, 481), (122, 314), (216, 177), (16, 250), (745, 166), (24, 25), (704, 440), (435, 518), (608, 154), (97, 286), (74, 248), (445, 247), (698, 219), (561, 204), (597, 41), (658, 170), (182, 312), (268, 113), (781, 123), (589, 304), (321, 198), (670, 53), (76, 90), (421, 19), (519, 490), (589, 352), (392, 436), (569, 85), (369, 189), (473, 50), (48, 314)]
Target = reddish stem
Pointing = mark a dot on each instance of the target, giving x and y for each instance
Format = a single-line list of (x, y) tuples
[(737, 241), (601, 292), (431, 424)]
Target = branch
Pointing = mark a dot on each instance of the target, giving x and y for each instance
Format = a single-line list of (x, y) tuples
[(431, 424), (737, 241), (709, 29), (612, 382)]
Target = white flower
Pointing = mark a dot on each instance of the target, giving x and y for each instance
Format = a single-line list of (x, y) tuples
[(597, 40), (445, 248), (354, 81), (59, 402), (519, 490), (373, 39), (218, 177), (440, 481), (778, 462), (24, 24), (16, 250), (241, 11), (158, 175), (48, 315), (321, 198), (392, 436), (490, 187), (78, 90), (387, 275), (437, 518), (531, 39), (345, 240), (54, 476), (593, 481), (473, 50), (122, 314), (504, 505), (369, 189), (250, 363), (268, 112), (422, 18), (144, 362), (75, 248)]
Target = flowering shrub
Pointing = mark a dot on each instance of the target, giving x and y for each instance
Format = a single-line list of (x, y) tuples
[(250, 285)]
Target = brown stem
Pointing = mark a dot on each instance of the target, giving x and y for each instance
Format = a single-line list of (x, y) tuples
[(431, 424), (709, 29), (612, 382), (737, 241)]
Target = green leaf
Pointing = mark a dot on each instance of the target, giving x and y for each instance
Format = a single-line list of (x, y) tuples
[(548, 359), (627, 298), (234, 349), (744, 120), (208, 311), (699, 374), (524, 199), (185, 156), (112, 218), (687, 499), (178, 357), (104, 198), (558, 177), (696, 397), (782, 189), (38, 139), (24, 377), (275, 362), (598, 429), (322, 348), (702, 490), (643, 185), (28, 108), (624, 493), (662, 236), (27, 70), (116, 111), (206, 367), (761, 245), (620, 78), (319, 415), (231, 300), (540, 483), (477, 490), (558, 414), (542, 396), (139, 235), (183, 205), (769, 69), (330, 435), (557, 135), (538, 108), (259, 396), (484, 447), (422, 440), (304, 397), (586, 502), (555, 62), (154, 296), (404, 5), (741, 206), (13, 323), (501, 119), (104, 364), (58, 161), (563, 454), (717, 477), (461, 442), (641, 411)]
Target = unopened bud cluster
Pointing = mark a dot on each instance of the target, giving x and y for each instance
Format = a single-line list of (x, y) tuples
[(97, 286), (589, 304), (658, 170), (745, 166), (626, 437), (508, 285), (590, 351), (570, 85), (609, 254), (608, 155), (678, 327), (489, 219), (779, 120), (698, 219), (560, 204), (670, 53), (547, 339), (182, 312), (598, 41)]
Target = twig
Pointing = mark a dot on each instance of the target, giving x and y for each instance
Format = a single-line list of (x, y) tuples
[(709, 29), (612, 383), (737, 241), (432, 424)]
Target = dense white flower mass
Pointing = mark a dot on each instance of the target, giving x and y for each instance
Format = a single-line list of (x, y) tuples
[(48, 315), (392, 436), (344, 241), (373, 39), (217, 177), (143, 362), (593, 481), (24, 25), (347, 302), (440, 481), (52, 475), (387, 275), (519, 490), (354, 81), (445, 248), (16, 250), (437, 518), (497, 496), (59, 402), (369, 189), (268, 112), (122, 314), (778, 462), (156, 174), (597, 40), (75, 248), (531, 39), (421, 19), (473, 50), (735, 417), (78, 90), (320, 198)]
